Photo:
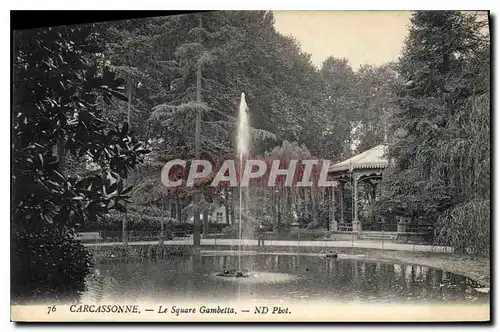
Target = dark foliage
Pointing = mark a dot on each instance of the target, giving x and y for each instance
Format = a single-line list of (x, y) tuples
[(60, 87), (48, 265), (440, 171)]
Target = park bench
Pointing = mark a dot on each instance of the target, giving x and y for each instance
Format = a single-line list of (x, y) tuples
[(89, 236), (214, 231), (179, 233), (345, 228)]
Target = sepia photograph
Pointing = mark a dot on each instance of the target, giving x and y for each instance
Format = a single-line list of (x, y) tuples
[(252, 166)]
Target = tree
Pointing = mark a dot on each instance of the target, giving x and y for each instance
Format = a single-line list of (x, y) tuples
[(58, 79), (191, 57), (439, 82), (178, 104), (377, 103), (340, 104), (241, 51)]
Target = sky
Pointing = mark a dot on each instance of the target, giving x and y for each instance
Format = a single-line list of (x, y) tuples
[(363, 37)]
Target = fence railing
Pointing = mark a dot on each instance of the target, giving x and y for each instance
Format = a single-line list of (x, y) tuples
[(298, 237)]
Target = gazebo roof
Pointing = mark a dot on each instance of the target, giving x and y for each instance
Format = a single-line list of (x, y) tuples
[(373, 158)]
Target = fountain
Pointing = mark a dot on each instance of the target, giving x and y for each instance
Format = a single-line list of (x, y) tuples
[(243, 142), (232, 273), (321, 278), (243, 138), (243, 128)]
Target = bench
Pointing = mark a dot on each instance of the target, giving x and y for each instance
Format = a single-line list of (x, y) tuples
[(179, 233), (214, 231), (345, 228)]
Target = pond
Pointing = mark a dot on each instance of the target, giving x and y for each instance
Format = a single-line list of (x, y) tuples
[(277, 276)]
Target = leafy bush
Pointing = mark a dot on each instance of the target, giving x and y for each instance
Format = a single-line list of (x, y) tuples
[(231, 231), (315, 234), (140, 227), (184, 227), (119, 253), (47, 264), (58, 96), (466, 227), (216, 226), (179, 251), (282, 228), (155, 252), (302, 235), (303, 220)]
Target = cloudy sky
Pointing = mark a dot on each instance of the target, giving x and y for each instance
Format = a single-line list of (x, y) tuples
[(363, 37)]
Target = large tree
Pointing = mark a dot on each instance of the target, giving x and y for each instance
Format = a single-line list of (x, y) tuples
[(440, 78), (288, 98), (59, 78), (376, 104)]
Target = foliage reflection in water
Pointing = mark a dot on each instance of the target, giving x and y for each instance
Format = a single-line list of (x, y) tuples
[(274, 276)]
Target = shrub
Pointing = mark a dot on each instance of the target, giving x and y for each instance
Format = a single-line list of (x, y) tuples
[(47, 264), (155, 252), (466, 227), (231, 231), (302, 235), (303, 220), (184, 227), (313, 234), (141, 227), (179, 251), (282, 228), (63, 111), (216, 226)]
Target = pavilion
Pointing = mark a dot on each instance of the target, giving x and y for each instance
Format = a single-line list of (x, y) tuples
[(367, 168)]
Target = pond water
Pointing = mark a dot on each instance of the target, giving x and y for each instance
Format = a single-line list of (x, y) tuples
[(277, 276)]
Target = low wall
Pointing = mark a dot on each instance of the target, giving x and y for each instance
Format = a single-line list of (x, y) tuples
[(184, 247), (377, 236), (411, 237)]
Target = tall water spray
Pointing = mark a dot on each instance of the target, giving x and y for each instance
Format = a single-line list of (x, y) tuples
[(243, 129), (243, 138)]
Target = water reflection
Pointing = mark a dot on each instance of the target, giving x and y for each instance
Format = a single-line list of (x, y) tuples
[(277, 277)]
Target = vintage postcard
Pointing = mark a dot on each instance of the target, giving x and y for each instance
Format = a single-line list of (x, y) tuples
[(252, 166)]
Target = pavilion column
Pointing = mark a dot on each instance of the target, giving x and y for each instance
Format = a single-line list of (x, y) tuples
[(333, 222), (342, 203), (356, 225)]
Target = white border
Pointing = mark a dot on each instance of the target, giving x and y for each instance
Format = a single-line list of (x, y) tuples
[(255, 4), (182, 5)]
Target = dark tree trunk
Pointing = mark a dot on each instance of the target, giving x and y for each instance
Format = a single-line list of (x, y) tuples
[(288, 208), (226, 206), (205, 222), (279, 207), (178, 213), (172, 209), (232, 206), (273, 206)]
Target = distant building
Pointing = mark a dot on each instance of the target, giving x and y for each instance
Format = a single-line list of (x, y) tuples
[(217, 216)]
